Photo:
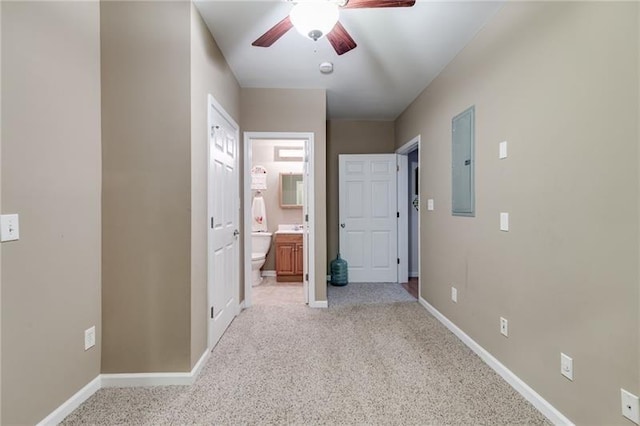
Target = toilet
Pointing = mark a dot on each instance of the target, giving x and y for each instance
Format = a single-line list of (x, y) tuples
[(260, 245)]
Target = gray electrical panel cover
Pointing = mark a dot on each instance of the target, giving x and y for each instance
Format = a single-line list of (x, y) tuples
[(463, 163)]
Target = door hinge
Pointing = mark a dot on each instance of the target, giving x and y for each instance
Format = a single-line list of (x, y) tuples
[(398, 264), (211, 222), (397, 214), (397, 167), (306, 218), (306, 277), (212, 312)]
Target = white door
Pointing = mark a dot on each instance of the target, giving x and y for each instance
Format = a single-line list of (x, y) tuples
[(223, 267), (368, 216)]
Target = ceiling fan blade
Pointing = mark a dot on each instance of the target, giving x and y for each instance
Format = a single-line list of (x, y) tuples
[(271, 36), (340, 39), (365, 4)]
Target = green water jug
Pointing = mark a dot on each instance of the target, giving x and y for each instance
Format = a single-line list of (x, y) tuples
[(339, 271)]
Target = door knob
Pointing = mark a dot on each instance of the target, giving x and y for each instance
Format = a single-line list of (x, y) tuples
[(236, 233), (342, 225)]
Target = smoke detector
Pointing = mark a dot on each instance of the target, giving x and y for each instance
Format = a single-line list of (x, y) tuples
[(326, 68)]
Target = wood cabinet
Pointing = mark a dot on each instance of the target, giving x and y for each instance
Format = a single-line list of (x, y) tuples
[(289, 257)]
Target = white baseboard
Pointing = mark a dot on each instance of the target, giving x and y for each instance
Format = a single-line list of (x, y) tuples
[(195, 371), (121, 381), (319, 304), (549, 411), (127, 380), (268, 273), (414, 275), (72, 403)]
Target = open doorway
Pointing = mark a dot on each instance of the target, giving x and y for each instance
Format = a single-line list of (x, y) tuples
[(409, 196), (278, 229)]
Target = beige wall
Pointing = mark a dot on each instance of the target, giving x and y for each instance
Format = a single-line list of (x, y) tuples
[(559, 82), (262, 153), (210, 74), (295, 110), (350, 137), (51, 177), (146, 227)]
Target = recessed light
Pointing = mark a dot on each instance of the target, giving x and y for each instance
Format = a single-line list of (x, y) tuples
[(326, 68)]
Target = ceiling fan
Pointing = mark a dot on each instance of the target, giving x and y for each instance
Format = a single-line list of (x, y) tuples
[(317, 18)]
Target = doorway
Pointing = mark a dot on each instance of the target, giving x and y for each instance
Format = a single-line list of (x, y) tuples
[(281, 186), (409, 196)]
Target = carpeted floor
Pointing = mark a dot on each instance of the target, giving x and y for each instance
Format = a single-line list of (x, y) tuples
[(367, 294), (383, 363)]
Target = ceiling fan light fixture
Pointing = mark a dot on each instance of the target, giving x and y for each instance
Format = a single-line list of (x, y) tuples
[(314, 19)]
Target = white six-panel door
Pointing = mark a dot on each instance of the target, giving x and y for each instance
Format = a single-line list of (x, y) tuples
[(368, 216), (223, 264)]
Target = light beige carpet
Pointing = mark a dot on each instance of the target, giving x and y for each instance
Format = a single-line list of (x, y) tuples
[(365, 364)]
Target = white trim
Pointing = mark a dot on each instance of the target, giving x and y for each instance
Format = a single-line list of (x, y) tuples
[(402, 224), (72, 403), (127, 380), (308, 137), (121, 381), (549, 411), (409, 146), (268, 273), (195, 371), (414, 274), (318, 304)]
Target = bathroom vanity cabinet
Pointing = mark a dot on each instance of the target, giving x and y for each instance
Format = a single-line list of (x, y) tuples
[(289, 257)]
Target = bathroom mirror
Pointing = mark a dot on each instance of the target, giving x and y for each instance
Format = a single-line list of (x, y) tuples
[(291, 190)]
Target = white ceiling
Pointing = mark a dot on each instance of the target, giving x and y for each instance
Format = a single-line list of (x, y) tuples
[(400, 51)]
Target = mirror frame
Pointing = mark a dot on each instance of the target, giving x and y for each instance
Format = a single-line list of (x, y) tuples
[(281, 192)]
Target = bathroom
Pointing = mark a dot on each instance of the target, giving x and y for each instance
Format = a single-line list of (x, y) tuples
[(277, 217)]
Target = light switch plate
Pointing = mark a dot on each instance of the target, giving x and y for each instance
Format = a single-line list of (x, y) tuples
[(9, 227), (430, 204), (504, 327), (454, 294), (89, 338), (503, 150), (630, 406), (504, 221), (566, 366)]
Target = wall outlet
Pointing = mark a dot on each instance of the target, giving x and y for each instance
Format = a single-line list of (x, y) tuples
[(89, 337), (454, 294), (630, 406), (430, 204), (504, 327), (566, 366)]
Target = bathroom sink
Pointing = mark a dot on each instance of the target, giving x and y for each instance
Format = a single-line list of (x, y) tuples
[(290, 229)]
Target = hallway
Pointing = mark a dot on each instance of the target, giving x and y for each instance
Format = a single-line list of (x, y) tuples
[(389, 363)]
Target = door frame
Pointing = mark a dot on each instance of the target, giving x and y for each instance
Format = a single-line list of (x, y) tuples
[(309, 248), (403, 237), (211, 101)]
